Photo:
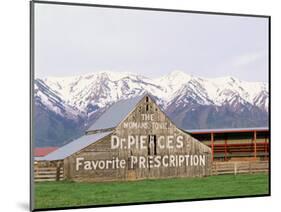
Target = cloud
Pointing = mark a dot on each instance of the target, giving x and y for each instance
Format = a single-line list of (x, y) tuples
[(248, 58)]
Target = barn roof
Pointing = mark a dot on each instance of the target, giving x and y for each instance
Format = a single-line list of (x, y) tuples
[(227, 130), (115, 114), (73, 146)]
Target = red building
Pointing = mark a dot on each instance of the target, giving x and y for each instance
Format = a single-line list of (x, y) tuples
[(41, 152), (236, 143)]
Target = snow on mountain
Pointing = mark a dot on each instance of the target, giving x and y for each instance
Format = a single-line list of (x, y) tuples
[(50, 100), (261, 100), (217, 91), (220, 89), (90, 92), (100, 89), (172, 82)]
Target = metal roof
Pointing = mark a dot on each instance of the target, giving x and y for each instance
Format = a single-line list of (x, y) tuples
[(227, 130), (73, 147), (115, 114)]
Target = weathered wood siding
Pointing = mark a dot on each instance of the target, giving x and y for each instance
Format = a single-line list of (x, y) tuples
[(102, 150)]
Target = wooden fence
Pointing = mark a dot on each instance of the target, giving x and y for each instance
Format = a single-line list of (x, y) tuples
[(239, 167), (219, 168), (48, 174)]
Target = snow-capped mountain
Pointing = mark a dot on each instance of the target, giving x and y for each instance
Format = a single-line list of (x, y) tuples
[(85, 97), (85, 92), (50, 99)]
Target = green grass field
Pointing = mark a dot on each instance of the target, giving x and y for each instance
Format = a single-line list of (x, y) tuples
[(66, 194)]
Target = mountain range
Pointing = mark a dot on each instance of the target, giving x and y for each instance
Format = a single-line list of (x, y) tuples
[(66, 106)]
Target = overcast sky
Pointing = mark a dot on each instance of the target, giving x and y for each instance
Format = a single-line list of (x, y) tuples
[(73, 40)]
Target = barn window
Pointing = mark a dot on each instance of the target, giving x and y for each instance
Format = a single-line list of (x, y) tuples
[(155, 147), (147, 107), (146, 99)]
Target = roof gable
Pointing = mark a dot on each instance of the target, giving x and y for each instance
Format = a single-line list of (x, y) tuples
[(115, 114)]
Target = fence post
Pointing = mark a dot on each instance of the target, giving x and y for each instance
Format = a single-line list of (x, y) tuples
[(235, 168), (216, 168), (212, 145), (255, 144), (250, 167), (58, 172)]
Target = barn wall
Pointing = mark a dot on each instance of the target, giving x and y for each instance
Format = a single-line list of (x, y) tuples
[(161, 127)]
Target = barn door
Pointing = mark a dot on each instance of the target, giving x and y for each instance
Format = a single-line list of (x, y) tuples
[(152, 145), (131, 174), (151, 151)]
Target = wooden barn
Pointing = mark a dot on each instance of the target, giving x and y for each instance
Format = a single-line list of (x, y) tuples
[(132, 140)]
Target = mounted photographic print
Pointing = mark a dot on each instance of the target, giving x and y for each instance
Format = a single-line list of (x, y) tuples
[(141, 105)]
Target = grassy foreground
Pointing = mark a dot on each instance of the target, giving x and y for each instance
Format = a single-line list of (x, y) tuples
[(67, 194)]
